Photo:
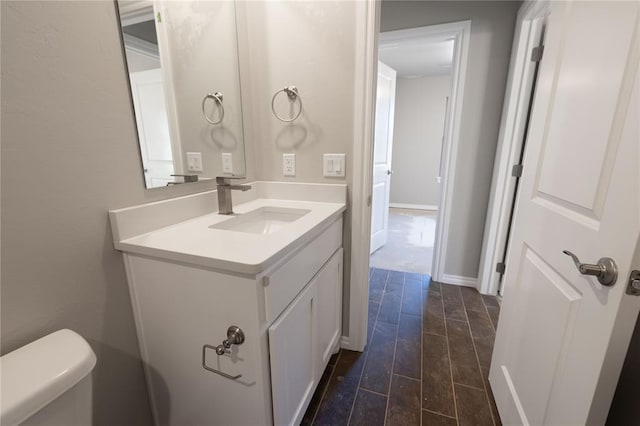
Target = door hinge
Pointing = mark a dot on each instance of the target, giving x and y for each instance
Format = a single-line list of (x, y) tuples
[(516, 170), (536, 53), (369, 201), (501, 267), (159, 18)]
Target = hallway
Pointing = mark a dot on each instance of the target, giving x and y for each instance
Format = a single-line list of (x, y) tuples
[(427, 362), (410, 241)]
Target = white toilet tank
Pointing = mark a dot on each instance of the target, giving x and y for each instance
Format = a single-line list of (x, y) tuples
[(48, 382)]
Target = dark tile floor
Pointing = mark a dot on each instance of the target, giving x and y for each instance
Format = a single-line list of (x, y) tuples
[(426, 363)]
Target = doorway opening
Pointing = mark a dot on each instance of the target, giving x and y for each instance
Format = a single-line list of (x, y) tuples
[(410, 131), (419, 95), (448, 218)]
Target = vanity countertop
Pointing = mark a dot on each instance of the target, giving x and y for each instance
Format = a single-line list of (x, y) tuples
[(193, 241)]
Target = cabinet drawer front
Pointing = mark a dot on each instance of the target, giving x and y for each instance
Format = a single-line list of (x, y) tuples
[(282, 286)]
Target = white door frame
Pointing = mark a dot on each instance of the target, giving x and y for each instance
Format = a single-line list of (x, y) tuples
[(367, 29), (460, 32), (510, 143), (366, 70)]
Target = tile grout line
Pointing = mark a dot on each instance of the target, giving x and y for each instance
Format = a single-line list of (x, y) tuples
[(366, 356), (371, 391), (439, 414), (404, 377), (475, 351), (495, 331), (326, 388), (395, 348), (468, 386), (433, 334), (446, 330), (494, 326), (410, 314)]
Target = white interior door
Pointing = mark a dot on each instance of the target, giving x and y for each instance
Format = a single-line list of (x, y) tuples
[(562, 336), (383, 142), (153, 126)]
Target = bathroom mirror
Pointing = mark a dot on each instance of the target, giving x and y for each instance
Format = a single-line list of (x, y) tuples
[(182, 62)]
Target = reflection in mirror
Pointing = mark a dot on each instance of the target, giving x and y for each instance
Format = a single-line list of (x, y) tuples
[(182, 60)]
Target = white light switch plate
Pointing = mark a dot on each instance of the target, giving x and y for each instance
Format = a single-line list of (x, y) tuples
[(334, 165), (227, 162), (194, 161), (289, 164)]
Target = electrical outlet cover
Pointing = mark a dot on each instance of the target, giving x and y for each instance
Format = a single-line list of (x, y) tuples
[(194, 161), (289, 164), (227, 163)]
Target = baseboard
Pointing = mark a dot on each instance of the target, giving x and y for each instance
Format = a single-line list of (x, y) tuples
[(345, 343), (414, 206), (459, 280)]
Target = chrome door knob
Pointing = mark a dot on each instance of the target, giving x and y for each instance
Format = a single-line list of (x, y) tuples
[(606, 269)]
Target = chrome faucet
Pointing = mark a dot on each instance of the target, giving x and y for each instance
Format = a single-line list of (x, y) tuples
[(225, 205)]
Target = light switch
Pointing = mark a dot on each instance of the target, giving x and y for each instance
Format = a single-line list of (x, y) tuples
[(227, 162), (334, 165), (194, 161), (289, 164)]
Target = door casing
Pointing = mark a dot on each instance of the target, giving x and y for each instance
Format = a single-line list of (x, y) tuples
[(367, 28)]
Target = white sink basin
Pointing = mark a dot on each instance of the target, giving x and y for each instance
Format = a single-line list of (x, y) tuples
[(264, 220)]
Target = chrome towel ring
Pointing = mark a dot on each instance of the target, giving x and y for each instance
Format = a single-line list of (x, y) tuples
[(293, 95), (217, 98)]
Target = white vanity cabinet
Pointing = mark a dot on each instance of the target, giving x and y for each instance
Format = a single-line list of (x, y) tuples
[(302, 340), (290, 315)]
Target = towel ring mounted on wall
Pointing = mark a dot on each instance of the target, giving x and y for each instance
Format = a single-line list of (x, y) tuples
[(217, 98), (293, 95)]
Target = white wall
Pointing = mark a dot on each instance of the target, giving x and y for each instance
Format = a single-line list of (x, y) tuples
[(310, 45), (492, 26), (69, 154), (417, 139)]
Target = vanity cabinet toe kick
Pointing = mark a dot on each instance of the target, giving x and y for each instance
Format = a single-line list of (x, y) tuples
[(290, 317)]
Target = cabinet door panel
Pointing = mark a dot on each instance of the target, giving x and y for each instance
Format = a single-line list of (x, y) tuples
[(293, 348), (329, 283)]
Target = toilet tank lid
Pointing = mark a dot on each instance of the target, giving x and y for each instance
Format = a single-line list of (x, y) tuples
[(36, 374)]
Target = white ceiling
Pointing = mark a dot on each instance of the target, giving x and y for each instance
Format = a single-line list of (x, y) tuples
[(418, 57)]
